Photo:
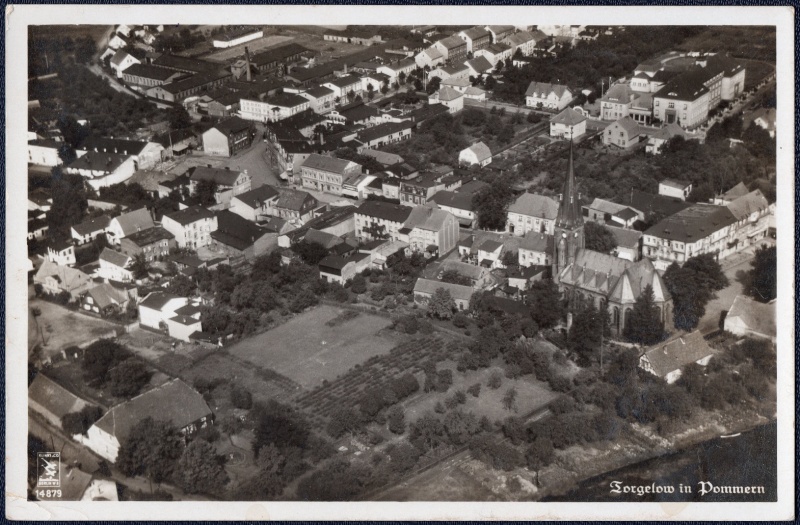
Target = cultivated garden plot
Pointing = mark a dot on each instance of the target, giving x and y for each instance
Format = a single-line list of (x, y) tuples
[(308, 351)]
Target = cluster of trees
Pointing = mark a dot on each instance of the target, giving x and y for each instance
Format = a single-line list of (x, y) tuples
[(172, 42), (692, 286), (377, 405), (598, 238), (79, 422), (49, 53), (438, 140), (491, 204), (107, 364), (155, 449), (761, 281), (589, 62)]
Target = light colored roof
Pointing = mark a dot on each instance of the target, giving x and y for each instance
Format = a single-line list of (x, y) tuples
[(678, 352), (328, 240), (629, 125), (433, 52), (625, 237), (474, 91), (468, 270), (133, 221), (325, 163), (447, 94), (542, 89), (481, 151), (457, 291), (606, 206), (759, 317), (53, 397), (105, 295), (568, 117), (70, 278), (174, 402), (427, 218), (452, 81), (752, 202), (452, 42), (480, 64), (619, 94), (114, 257), (678, 185), (385, 158), (537, 242), (737, 191), (475, 32), (119, 57), (258, 196), (293, 199), (535, 206)]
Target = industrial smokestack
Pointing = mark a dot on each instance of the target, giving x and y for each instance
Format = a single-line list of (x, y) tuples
[(247, 59)]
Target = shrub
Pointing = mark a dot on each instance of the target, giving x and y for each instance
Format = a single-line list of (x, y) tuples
[(396, 419), (451, 403), (495, 380), (460, 397), (241, 397), (460, 320), (562, 405), (444, 379), (439, 408), (475, 390), (560, 383)]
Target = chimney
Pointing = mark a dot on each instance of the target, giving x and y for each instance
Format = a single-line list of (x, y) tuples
[(247, 58)]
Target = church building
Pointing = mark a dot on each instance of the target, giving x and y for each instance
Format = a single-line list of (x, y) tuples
[(586, 275)]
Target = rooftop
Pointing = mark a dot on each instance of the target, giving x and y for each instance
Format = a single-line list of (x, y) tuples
[(190, 215), (384, 210), (223, 177), (149, 236), (678, 352)]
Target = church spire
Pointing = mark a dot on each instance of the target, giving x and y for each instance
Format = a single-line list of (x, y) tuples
[(569, 209)]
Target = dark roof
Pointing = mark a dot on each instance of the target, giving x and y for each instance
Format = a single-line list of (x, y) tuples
[(693, 223), (200, 79), (238, 232), (451, 199), (649, 203), (114, 257), (53, 397), (326, 163), (687, 86), (358, 111), (96, 161), (569, 208), (626, 214), (345, 81), (173, 402), (190, 215), (286, 100), (382, 130), (293, 199), (157, 300), (186, 64), (233, 125), (335, 263), (257, 197), (149, 236), (174, 137), (92, 225), (277, 54), (472, 187), (224, 177), (153, 72), (319, 91), (133, 221), (384, 210)]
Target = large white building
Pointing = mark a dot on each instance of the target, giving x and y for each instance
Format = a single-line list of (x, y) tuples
[(273, 109), (191, 227), (532, 213), (547, 96)]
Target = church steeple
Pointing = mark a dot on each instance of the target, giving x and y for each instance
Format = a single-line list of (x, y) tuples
[(568, 229), (569, 209)]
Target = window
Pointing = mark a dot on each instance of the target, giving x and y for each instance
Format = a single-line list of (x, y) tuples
[(671, 105)]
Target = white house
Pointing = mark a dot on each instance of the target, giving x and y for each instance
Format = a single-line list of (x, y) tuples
[(191, 227), (544, 95), (378, 219), (433, 230), (61, 252), (393, 70), (750, 318), (115, 266), (667, 360), (44, 153), (448, 96), (570, 123), (535, 249), (459, 204), (273, 109), (675, 188), (479, 153), (236, 38), (345, 88), (322, 99), (495, 53), (88, 230), (128, 223), (121, 61), (157, 307), (174, 402), (430, 58), (102, 169), (256, 204), (532, 213), (425, 288)]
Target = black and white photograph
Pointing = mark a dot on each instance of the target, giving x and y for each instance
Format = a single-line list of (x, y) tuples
[(330, 262)]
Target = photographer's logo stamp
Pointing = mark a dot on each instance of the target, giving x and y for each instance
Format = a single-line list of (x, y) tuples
[(49, 469)]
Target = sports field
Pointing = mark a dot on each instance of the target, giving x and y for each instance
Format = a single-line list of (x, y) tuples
[(308, 351)]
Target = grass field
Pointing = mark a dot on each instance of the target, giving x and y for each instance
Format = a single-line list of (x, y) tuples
[(307, 351)]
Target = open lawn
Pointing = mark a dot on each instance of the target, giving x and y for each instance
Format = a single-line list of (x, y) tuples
[(308, 351), (63, 327)]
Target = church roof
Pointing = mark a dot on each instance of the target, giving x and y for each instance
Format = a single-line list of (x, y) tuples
[(569, 209)]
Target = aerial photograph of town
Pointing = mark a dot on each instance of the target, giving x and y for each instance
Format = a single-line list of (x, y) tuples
[(399, 263)]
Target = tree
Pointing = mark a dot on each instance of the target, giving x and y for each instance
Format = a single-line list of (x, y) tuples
[(544, 299), (201, 469), (441, 305), (489, 83), (598, 238), (99, 357), (139, 266), (762, 284), (376, 231), (506, 133), (396, 420), (692, 287), (241, 397), (540, 454), (205, 192), (127, 378), (152, 448), (510, 399), (178, 118), (278, 424), (453, 277), (36, 312), (310, 252), (491, 205), (645, 325), (588, 326), (79, 422)]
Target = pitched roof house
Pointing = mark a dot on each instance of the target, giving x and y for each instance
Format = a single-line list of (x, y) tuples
[(750, 318), (128, 223), (174, 402), (666, 360), (548, 96), (51, 400), (479, 153), (425, 288)]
